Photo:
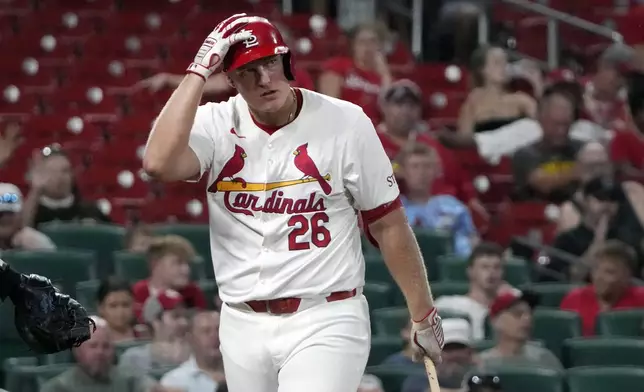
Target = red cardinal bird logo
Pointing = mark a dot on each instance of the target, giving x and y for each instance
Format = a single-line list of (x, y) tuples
[(234, 165), (305, 164)]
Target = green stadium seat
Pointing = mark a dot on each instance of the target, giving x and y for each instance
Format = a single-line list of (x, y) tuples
[(382, 347), (440, 289), (393, 377), (432, 246), (64, 267), (604, 379), (11, 378), (553, 326), (134, 266), (482, 345), (86, 294), (378, 295), (454, 269), (550, 294), (199, 237), (604, 352), (627, 323), (121, 347), (376, 270), (523, 379), (31, 378), (390, 321), (101, 239)]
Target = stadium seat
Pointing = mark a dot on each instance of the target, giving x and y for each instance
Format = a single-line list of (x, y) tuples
[(393, 377), (379, 295), (86, 294), (482, 345), (604, 352), (12, 379), (134, 266), (123, 346), (102, 239), (390, 321), (626, 323), (32, 378), (63, 267), (382, 347), (76, 99), (118, 182), (376, 270), (454, 269), (525, 379), (554, 326), (550, 293), (432, 245), (24, 105), (440, 289), (602, 379)]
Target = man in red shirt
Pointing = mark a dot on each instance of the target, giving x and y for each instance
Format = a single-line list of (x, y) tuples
[(627, 148), (169, 259), (611, 286), (401, 105)]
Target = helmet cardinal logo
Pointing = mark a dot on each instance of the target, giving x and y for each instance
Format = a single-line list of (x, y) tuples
[(251, 41)]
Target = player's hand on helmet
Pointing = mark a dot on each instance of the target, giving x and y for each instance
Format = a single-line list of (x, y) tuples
[(214, 48), (427, 338)]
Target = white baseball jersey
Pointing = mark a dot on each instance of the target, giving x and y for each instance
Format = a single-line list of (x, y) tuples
[(283, 219)]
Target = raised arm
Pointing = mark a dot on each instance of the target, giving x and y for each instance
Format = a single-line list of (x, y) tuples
[(168, 155)]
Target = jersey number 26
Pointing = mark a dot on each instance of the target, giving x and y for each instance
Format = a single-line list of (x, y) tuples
[(320, 235)]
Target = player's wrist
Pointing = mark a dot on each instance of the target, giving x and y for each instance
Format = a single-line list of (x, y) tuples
[(199, 70), (425, 315)]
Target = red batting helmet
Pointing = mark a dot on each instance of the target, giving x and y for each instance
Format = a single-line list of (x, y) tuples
[(265, 41)]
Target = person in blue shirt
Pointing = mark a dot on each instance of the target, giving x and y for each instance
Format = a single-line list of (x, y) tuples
[(419, 164)]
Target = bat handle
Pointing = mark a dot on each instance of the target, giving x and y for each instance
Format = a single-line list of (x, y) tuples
[(432, 376)]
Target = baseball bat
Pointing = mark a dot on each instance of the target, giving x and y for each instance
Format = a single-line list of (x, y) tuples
[(430, 369)]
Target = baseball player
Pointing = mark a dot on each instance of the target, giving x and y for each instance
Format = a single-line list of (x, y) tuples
[(288, 171)]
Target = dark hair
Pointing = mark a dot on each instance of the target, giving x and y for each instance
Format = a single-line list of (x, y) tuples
[(617, 251), (110, 285), (485, 249), (56, 150), (478, 61), (636, 93), (565, 90)]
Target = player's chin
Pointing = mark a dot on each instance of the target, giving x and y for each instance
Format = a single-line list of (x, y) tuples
[(270, 103)]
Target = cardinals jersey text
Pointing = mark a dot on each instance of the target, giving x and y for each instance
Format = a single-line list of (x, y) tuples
[(283, 206)]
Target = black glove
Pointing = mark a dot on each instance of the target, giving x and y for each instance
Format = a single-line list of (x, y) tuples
[(46, 320)]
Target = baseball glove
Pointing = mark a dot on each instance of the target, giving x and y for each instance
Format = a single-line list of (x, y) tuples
[(47, 320)]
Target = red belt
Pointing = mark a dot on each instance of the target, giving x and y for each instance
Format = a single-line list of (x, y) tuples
[(291, 305)]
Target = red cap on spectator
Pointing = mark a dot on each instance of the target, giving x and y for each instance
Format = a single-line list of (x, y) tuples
[(507, 299)]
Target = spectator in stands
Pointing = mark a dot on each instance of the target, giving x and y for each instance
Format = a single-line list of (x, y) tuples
[(609, 210), (13, 234), (626, 147), (116, 307), (490, 105), (419, 166), (359, 78), (593, 162), (166, 316), (401, 105), (546, 170), (218, 84), (94, 369), (204, 371), (10, 139), (370, 383), (458, 359), (403, 357), (138, 238), (604, 92), (511, 318), (53, 195), (610, 288), (485, 274), (169, 259)]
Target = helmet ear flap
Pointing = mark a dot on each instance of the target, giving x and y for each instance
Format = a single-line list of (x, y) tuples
[(288, 66)]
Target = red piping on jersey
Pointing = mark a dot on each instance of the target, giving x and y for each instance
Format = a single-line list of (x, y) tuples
[(270, 129), (370, 216)]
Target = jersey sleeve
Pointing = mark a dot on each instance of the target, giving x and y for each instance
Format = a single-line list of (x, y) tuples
[(368, 174), (202, 140)]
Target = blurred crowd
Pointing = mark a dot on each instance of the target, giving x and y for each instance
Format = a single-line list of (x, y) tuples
[(568, 140)]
